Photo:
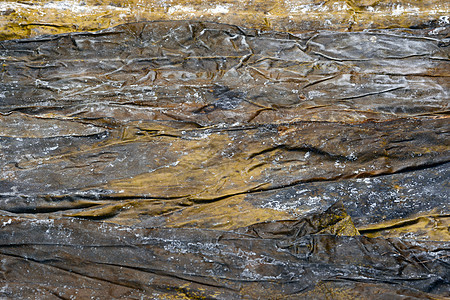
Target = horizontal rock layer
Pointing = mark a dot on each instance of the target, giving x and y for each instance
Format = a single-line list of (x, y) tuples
[(21, 19), (67, 257), (120, 134)]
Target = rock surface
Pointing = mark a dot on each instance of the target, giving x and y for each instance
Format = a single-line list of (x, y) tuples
[(67, 257), (20, 19), (198, 159)]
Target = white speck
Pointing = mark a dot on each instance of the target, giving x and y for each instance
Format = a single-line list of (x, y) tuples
[(313, 201), (178, 9), (338, 164), (352, 156), (301, 192), (52, 148), (437, 30), (40, 83), (7, 223), (398, 10), (444, 20), (219, 9), (315, 94)]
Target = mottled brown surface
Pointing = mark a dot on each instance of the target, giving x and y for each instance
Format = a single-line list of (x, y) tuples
[(107, 139), (21, 19), (69, 257)]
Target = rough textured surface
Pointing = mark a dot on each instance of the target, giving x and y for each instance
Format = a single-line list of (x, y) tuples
[(80, 258), (20, 19), (108, 139)]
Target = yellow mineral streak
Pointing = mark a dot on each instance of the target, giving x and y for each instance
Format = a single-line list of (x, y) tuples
[(23, 19), (227, 214), (434, 227)]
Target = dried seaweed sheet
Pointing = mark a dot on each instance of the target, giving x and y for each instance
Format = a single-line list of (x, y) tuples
[(67, 257), (108, 139), (21, 19)]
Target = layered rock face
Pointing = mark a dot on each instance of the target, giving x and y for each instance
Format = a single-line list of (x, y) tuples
[(22, 19), (189, 159)]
